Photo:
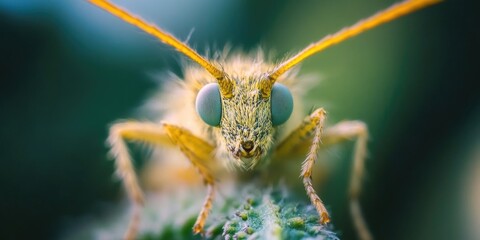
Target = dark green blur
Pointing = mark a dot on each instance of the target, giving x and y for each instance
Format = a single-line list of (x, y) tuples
[(68, 70)]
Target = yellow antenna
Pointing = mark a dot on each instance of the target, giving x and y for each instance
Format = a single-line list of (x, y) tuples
[(224, 83), (384, 16)]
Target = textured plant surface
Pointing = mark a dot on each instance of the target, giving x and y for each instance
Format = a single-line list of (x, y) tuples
[(248, 214), (273, 216)]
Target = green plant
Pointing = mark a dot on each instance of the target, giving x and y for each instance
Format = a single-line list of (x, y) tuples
[(252, 214)]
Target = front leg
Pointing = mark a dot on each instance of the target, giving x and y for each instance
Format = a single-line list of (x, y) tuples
[(311, 124), (198, 151), (298, 143)]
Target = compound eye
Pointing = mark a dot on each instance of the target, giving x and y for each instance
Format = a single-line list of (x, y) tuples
[(281, 104), (209, 104)]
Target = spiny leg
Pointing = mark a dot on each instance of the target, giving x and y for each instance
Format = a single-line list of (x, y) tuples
[(348, 130), (193, 147), (126, 172), (297, 144), (312, 124), (199, 152)]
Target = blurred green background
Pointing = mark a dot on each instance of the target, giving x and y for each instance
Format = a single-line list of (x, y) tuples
[(68, 70)]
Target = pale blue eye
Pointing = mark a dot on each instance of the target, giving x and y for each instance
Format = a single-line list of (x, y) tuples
[(209, 104), (281, 104)]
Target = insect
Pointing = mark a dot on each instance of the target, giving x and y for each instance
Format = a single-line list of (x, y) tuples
[(243, 115)]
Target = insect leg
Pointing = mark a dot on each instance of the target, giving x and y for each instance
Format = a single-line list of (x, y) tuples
[(193, 147), (348, 130), (312, 124), (299, 142), (198, 152), (125, 170)]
